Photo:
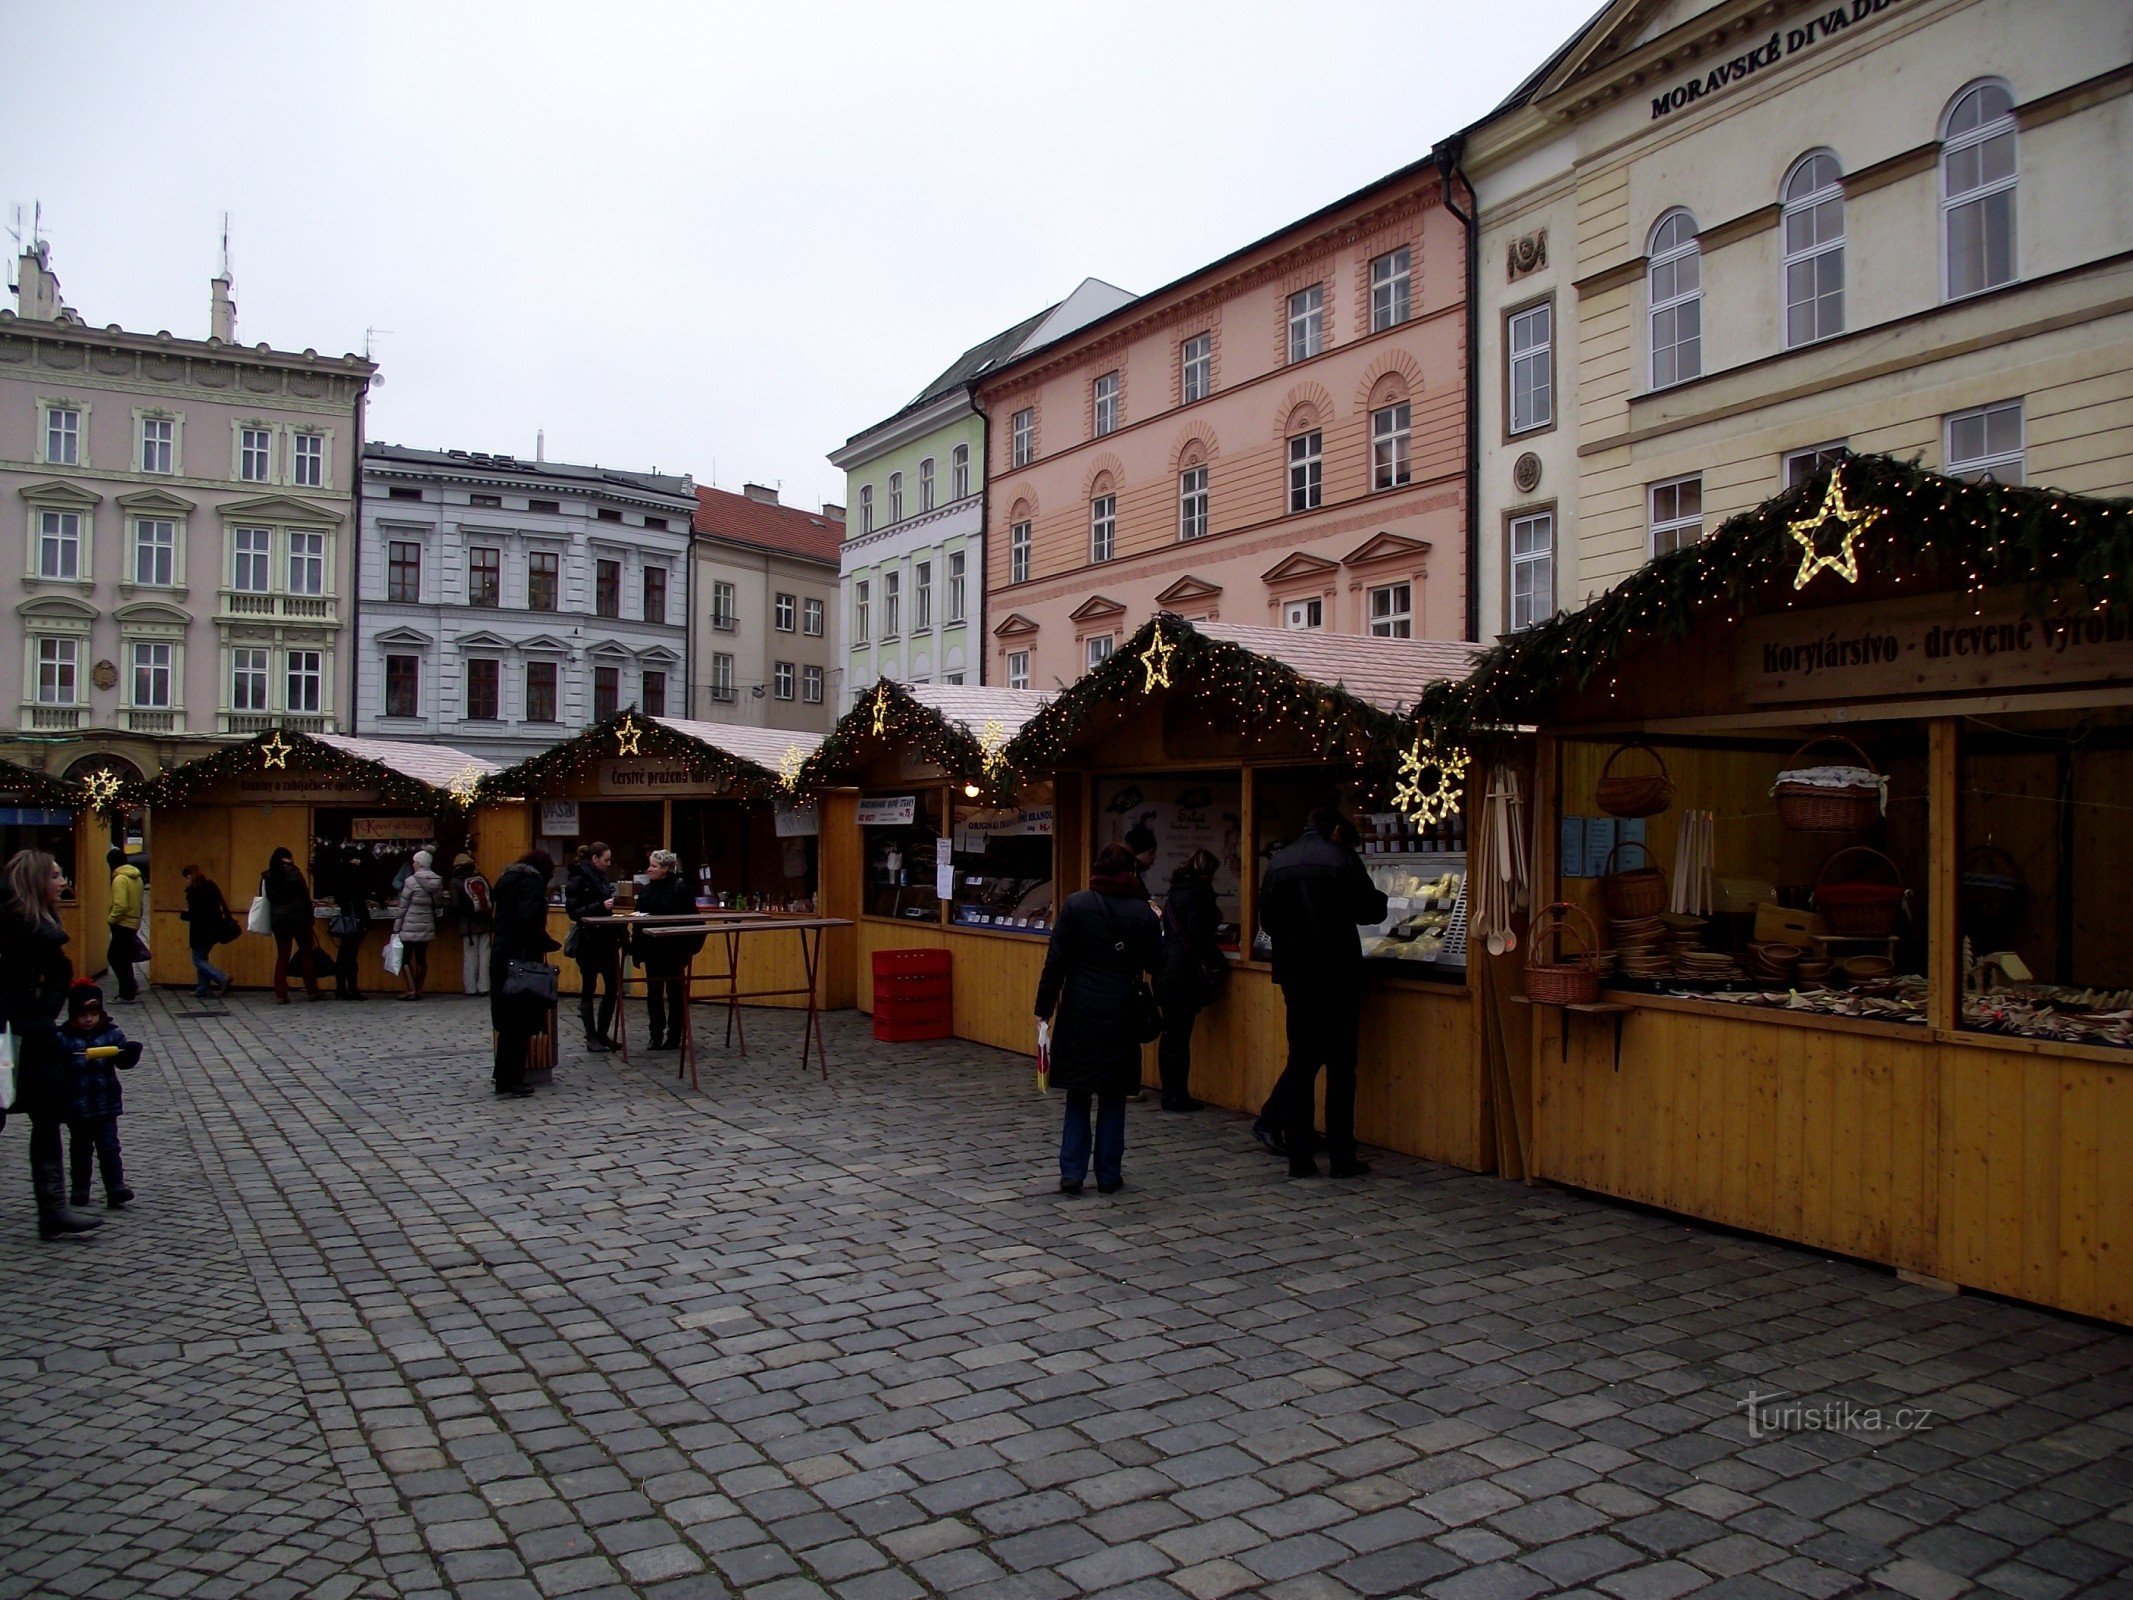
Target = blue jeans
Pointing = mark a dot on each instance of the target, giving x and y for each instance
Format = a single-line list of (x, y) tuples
[(1110, 1139), (207, 972)]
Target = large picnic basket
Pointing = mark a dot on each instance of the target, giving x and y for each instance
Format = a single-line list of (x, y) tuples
[(1568, 979), (1828, 808), (1860, 907)]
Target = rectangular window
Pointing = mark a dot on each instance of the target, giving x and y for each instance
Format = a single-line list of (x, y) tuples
[(607, 588), (782, 612), (486, 502), (540, 691), (660, 523), (866, 508), (1304, 614), (307, 681), (58, 671), (782, 679), (1018, 543), (1801, 465), (722, 613), (62, 437), (956, 569), (485, 576), (158, 443), (655, 694), (1390, 278), (811, 685), (1107, 404), (1986, 443), (922, 596), (925, 484), (959, 472), (1024, 435), (398, 493), (255, 454), (544, 570), (1307, 322), (607, 692), (248, 561), (892, 604), (955, 678), (1306, 465), (59, 544), (151, 676), (1097, 651), (896, 497), (861, 623), (307, 563), (722, 677), (484, 679), (1192, 503), (1103, 527), (403, 685), (1677, 513), (1533, 569), (1392, 611), (309, 465), (608, 514), (655, 594), (1391, 437), (248, 679), (811, 619), (1530, 335), (403, 571), (155, 552), (551, 507), (1018, 669), (1196, 368)]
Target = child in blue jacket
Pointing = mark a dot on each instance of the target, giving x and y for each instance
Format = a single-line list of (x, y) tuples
[(100, 1051)]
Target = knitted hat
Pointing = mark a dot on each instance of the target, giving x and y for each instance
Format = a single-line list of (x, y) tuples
[(462, 860), (81, 995)]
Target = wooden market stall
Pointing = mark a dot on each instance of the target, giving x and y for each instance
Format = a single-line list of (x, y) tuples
[(722, 796), (226, 813), (41, 812), (1842, 791)]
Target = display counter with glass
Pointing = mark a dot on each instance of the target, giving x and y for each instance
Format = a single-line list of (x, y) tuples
[(1002, 861), (901, 836), (1177, 815)]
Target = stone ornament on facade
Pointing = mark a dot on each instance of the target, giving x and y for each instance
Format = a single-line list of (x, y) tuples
[(105, 675), (1526, 472), (1526, 255)]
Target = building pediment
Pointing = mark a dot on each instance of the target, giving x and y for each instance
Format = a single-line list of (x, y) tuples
[(483, 639), (658, 655), (157, 611), (57, 608), (414, 636), (156, 502), (1096, 607), (1188, 590), (608, 650), (546, 644), (1386, 547), (1014, 626), (276, 508), (59, 492), (1297, 567)]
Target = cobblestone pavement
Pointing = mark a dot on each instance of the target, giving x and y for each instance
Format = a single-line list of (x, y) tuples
[(370, 1331)]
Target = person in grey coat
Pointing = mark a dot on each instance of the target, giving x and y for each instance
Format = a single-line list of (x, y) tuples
[(422, 902)]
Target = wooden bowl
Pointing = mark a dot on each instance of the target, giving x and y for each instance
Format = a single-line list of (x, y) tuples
[(1812, 971), (1859, 969)]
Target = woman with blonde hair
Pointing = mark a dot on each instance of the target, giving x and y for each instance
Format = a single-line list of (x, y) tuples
[(34, 974), (666, 956)]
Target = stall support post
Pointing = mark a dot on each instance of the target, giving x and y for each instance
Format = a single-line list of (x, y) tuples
[(1248, 874), (1944, 823)]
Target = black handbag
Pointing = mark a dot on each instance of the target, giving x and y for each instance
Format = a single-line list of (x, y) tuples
[(1145, 1017), (531, 980), (347, 925)]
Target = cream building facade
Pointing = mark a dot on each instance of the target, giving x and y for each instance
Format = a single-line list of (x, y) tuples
[(1720, 241)]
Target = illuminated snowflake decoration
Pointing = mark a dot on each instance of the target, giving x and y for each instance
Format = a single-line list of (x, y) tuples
[(275, 752), (1431, 783), (628, 735), (465, 788), (103, 787), (789, 765)]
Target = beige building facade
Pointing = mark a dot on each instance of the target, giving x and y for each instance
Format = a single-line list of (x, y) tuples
[(1720, 241), (764, 626)]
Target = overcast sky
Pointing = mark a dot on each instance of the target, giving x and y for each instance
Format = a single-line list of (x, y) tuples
[(714, 238)]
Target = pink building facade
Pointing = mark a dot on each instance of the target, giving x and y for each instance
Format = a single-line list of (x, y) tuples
[(1277, 439)]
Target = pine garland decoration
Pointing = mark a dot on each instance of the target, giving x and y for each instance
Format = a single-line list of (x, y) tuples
[(188, 782), (909, 727), (26, 786), (578, 759)]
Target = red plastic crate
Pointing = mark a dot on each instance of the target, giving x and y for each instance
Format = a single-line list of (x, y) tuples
[(912, 1010), (892, 1031), (911, 964), (912, 989)]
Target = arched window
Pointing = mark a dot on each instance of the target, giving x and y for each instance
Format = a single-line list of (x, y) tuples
[(1192, 493), (1103, 519), (896, 497), (1977, 189), (1674, 274), (925, 484), (1814, 249), (959, 472)]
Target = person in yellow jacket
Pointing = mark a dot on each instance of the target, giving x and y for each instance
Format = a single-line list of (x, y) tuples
[(125, 920)]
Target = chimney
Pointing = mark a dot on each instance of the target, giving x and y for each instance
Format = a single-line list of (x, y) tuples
[(221, 311), (759, 494), (38, 289), (832, 513)]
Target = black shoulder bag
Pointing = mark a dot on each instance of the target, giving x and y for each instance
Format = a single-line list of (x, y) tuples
[(531, 980), (1144, 1016)]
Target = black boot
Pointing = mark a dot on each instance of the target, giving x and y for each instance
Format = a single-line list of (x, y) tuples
[(54, 1220)]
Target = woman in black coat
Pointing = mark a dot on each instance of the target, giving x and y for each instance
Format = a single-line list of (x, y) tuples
[(665, 956), (352, 901), (290, 916), (1106, 937), (34, 974), (520, 896), (1192, 972), (590, 892)]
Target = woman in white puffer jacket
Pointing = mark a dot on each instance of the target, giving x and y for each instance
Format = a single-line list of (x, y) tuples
[(422, 901)]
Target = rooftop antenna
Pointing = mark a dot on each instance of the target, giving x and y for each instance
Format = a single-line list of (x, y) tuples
[(370, 339), (540, 444), (226, 247)]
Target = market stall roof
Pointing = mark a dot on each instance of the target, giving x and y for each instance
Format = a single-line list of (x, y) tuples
[(754, 761), (423, 775), (964, 730), (437, 765), (1387, 673), (25, 786)]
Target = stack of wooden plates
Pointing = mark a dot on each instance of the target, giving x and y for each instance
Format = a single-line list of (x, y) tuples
[(1636, 933), (1706, 966)]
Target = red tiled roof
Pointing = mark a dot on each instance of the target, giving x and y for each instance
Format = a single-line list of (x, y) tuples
[(808, 534)]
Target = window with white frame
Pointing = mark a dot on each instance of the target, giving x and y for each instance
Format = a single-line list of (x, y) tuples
[(307, 562), (896, 497), (861, 622), (607, 587), (1306, 470), (1307, 322), (307, 468), (1676, 513), (58, 672), (959, 472), (784, 613), (1107, 403), (1977, 166), (307, 680), (1391, 440), (925, 484), (1196, 368), (1986, 443), (155, 551), (1192, 503), (403, 571), (151, 676), (62, 436), (255, 454), (59, 545), (892, 604), (250, 549), (485, 576), (1530, 336), (1023, 436), (721, 676), (1392, 611), (1097, 650), (723, 616), (1390, 280), (248, 679), (1018, 669), (1018, 549), (1813, 220), (958, 565), (921, 596), (158, 444), (1801, 465), (811, 618), (403, 686), (866, 508), (811, 685), (955, 678), (1532, 556), (1304, 614), (783, 680), (1103, 527), (1674, 276)]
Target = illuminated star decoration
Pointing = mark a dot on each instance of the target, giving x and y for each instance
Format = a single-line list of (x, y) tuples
[(275, 753), (1844, 559), (466, 787), (789, 765), (103, 787), (1431, 783), (881, 710), (992, 746), (1155, 662), (627, 735)]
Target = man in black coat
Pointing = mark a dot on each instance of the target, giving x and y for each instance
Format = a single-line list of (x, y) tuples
[(1313, 899)]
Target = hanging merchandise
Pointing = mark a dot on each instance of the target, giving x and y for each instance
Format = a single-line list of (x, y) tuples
[(1842, 797), (1861, 907), (1569, 978), (1496, 873), (1632, 891), (1635, 794)]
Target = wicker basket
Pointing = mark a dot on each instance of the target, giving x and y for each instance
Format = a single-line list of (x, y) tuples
[(1807, 808), (1993, 893), (1635, 892), (1569, 979), (1860, 908), (1640, 794)]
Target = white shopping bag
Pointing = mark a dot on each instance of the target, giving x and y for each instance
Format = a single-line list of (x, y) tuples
[(1044, 1057), (394, 951)]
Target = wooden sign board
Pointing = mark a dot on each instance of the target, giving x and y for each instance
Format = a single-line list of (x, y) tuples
[(1934, 645), (392, 829), (654, 775), (270, 787)]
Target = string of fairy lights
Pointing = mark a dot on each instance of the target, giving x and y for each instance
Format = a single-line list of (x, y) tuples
[(888, 717), (577, 760)]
